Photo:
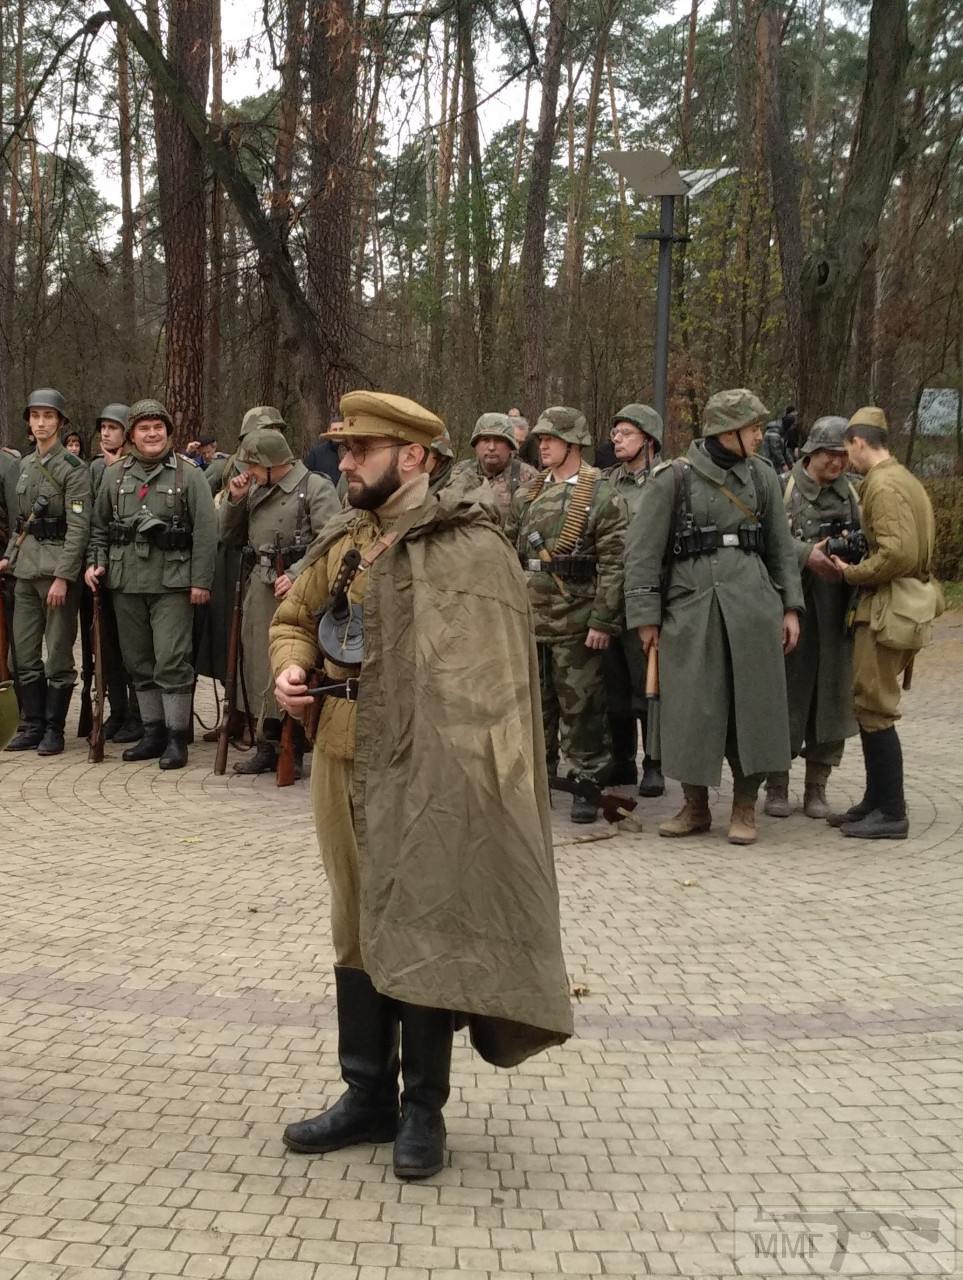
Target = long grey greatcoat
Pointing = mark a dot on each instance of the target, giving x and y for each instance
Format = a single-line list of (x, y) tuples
[(295, 509), (721, 618), (819, 671)]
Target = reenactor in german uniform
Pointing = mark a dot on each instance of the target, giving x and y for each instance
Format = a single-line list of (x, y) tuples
[(496, 459), (428, 788), (53, 509), (124, 722), (711, 580), (278, 507), (898, 600), (153, 542), (636, 436), (441, 465), (568, 527), (821, 504)]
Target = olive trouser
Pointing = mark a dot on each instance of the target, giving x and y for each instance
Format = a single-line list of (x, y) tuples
[(876, 679), (156, 639), (34, 623), (331, 779)]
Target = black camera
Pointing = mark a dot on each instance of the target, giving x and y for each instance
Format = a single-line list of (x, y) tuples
[(850, 547)]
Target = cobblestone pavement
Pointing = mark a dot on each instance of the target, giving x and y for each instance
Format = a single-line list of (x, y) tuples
[(761, 1033)]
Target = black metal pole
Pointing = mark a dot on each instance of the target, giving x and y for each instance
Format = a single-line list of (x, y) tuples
[(663, 299)]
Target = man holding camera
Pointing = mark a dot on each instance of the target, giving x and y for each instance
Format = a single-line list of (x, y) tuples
[(897, 602), (823, 511)]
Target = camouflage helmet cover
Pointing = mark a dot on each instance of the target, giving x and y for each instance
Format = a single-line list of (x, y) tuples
[(46, 398), (564, 423), (148, 409), (826, 433), (442, 445), (262, 415), (265, 447), (116, 412), (645, 418), (495, 424), (732, 411)]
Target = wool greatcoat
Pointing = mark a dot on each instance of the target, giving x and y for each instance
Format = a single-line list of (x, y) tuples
[(459, 902), (720, 648), (289, 514), (819, 671)]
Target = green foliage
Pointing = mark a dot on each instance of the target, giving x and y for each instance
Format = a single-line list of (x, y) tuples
[(946, 494)]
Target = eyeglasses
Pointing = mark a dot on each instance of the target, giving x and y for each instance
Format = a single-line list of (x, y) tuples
[(359, 449), (618, 432)]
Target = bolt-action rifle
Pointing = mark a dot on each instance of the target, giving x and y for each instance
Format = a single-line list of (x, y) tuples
[(230, 681), (95, 754), (286, 774)]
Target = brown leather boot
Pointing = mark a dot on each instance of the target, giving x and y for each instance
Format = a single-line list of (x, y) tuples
[(777, 796), (814, 797), (694, 816), (742, 823)]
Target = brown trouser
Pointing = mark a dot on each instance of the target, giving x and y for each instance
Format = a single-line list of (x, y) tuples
[(876, 679), (334, 820)]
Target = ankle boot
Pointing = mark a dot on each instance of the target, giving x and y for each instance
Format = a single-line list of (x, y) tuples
[(624, 770), (693, 817), (33, 711), (777, 796), (177, 718), (742, 822), (653, 782), (583, 810), (426, 1036), (58, 700), (368, 1052), (814, 797), (265, 758), (868, 802)]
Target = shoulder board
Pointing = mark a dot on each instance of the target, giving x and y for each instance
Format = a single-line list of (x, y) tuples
[(184, 458), (660, 467), (760, 458), (72, 460)]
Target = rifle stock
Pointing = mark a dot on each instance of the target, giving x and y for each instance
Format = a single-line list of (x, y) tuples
[(230, 683), (615, 808), (95, 754), (286, 772), (4, 636)]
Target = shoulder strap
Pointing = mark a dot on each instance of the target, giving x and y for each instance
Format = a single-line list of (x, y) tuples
[(853, 501)]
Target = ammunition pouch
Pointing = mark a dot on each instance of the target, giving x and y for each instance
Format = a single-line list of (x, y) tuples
[(119, 534), (703, 540), (173, 538), (568, 568), (44, 528), (267, 557)]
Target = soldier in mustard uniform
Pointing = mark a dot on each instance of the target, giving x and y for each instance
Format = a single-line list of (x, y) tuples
[(278, 507), (153, 542), (820, 503), (428, 785), (496, 459), (711, 579), (636, 435), (897, 519), (568, 527), (53, 506)]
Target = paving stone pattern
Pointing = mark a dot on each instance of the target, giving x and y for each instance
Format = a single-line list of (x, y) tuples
[(759, 1032)]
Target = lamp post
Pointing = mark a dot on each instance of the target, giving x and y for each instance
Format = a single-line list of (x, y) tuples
[(652, 174)]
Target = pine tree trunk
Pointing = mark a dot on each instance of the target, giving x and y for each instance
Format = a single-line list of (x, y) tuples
[(180, 177), (479, 221), (213, 397), (128, 303), (533, 245)]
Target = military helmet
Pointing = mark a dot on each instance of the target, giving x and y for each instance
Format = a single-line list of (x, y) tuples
[(826, 433), (46, 398), (262, 415), (114, 413), (869, 416), (564, 423), (732, 411), (645, 418), (148, 409), (265, 447), (495, 424), (442, 445)]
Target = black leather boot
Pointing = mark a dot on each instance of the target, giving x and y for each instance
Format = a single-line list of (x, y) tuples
[(368, 1053), (624, 771), (265, 758), (132, 730), (33, 711), (119, 707), (887, 818), (868, 802), (58, 700), (151, 745), (177, 717), (426, 1036), (174, 755), (653, 783)]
